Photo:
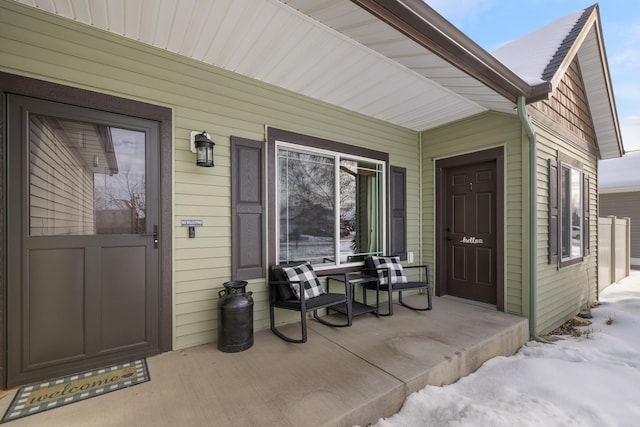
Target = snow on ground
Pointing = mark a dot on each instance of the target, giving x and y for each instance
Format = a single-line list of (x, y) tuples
[(592, 380)]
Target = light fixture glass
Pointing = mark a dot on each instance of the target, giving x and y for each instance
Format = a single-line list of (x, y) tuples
[(204, 150)]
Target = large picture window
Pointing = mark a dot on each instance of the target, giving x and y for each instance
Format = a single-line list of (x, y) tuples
[(330, 206)]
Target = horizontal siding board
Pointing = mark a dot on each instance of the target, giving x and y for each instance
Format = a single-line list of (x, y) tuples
[(194, 264), (191, 307), (199, 316), (202, 242), (198, 254), (202, 337)]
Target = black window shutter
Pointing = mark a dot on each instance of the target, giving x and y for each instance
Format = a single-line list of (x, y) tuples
[(585, 205), (248, 232), (553, 212), (398, 202)]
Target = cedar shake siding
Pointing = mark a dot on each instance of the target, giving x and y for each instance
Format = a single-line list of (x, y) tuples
[(568, 110)]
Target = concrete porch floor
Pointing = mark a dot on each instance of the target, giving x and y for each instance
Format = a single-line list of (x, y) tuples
[(340, 377)]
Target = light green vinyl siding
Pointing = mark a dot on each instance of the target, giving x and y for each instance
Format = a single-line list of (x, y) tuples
[(39, 45), (477, 133), (562, 293)]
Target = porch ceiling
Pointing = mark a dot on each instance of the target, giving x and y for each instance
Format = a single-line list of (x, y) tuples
[(330, 50)]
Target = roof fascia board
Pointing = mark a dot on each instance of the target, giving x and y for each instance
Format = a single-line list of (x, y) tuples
[(562, 69), (593, 23), (425, 26), (607, 78)]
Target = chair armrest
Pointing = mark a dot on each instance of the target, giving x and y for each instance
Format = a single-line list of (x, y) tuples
[(426, 270), (406, 267)]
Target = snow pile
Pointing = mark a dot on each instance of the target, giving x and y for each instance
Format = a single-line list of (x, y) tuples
[(591, 380)]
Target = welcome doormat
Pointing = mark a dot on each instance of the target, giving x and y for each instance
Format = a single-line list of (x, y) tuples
[(36, 398)]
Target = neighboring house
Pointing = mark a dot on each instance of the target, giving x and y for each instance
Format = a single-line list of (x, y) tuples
[(379, 123), (619, 194)]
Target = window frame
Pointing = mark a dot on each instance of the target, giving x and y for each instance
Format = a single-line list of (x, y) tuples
[(337, 158), (567, 162), (312, 144)]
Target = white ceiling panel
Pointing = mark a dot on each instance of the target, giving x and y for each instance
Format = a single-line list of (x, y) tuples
[(385, 40), (63, 7), (81, 10), (331, 50), (117, 20), (97, 13), (181, 25)]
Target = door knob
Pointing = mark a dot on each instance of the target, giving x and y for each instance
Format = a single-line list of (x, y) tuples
[(154, 234)]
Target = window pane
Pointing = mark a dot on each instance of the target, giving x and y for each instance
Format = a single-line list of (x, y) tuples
[(120, 193), (79, 170), (360, 210), (307, 207), (576, 213), (571, 180)]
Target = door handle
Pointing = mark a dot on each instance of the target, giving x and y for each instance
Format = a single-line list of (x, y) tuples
[(154, 234)]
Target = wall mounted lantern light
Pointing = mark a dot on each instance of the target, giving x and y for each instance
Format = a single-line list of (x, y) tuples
[(202, 145)]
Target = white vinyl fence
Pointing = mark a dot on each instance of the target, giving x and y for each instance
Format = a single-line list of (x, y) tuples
[(614, 250)]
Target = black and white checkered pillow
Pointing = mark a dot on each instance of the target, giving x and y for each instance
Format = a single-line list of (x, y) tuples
[(304, 275), (392, 266)]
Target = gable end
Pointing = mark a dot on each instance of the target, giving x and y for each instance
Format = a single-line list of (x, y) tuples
[(565, 46), (568, 108)]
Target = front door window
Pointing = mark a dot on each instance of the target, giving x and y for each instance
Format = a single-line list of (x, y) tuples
[(85, 178)]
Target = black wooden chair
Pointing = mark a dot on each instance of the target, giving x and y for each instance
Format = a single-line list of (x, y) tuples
[(282, 296), (392, 279)]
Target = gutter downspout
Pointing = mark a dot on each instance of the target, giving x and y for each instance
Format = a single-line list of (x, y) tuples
[(420, 172), (533, 222)]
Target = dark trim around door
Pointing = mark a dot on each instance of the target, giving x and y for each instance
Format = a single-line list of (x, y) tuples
[(493, 154), (11, 83)]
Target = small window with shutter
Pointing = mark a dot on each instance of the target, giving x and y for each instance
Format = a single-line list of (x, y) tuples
[(568, 211)]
